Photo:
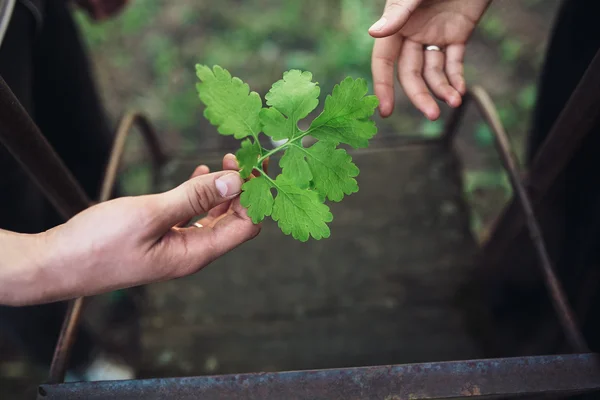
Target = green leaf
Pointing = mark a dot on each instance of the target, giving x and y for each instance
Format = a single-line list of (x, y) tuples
[(333, 170), (295, 96), (291, 99), (230, 105), (300, 212), (276, 125), (346, 115), (257, 198), (247, 157), (294, 166)]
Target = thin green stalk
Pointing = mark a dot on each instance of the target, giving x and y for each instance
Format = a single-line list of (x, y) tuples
[(283, 146)]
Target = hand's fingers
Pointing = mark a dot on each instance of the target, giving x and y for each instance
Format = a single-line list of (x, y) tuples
[(193, 248), (395, 15), (194, 197), (229, 164), (385, 54), (199, 171), (410, 70), (436, 79), (455, 54), (236, 224)]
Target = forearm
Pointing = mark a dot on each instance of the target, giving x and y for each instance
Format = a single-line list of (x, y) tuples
[(22, 278), (48, 267)]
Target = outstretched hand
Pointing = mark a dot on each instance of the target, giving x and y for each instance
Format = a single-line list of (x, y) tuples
[(401, 34), (129, 241)]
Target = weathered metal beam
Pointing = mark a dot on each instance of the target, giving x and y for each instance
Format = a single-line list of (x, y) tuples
[(493, 378), (577, 120), (488, 112), (23, 139)]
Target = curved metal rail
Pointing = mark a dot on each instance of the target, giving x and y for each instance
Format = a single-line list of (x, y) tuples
[(487, 110)]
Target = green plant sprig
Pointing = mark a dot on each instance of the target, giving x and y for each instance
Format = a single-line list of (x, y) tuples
[(309, 175)]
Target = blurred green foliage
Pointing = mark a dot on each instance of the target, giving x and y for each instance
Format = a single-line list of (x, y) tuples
[(145, 59)]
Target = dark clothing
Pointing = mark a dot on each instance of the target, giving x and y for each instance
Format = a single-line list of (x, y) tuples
[(573, 45), (43, 61), (522, 318)]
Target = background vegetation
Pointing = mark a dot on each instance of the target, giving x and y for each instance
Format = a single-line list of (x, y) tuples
[(145, 60)]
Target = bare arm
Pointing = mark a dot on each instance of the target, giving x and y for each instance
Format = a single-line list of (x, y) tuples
[(20, 265), (128, 241)]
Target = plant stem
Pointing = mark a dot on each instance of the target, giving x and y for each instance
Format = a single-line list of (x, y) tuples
[(268, 178), (283, 146)]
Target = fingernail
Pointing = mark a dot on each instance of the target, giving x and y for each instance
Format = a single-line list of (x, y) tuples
[(229, 185), (379, 24)]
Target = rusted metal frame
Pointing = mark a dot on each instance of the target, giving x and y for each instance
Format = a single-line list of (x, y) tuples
[(24, 141), (577, 119), (157, 155), (74, 311), (491, 378), (561, 305)]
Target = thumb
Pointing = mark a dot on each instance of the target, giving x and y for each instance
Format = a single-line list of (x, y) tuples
[(196, 197), (395, 15)]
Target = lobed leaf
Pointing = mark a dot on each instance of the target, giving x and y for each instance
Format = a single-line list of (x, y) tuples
[(346, 115), (300, 212), (247, 157), (257, 198), (333, 170), (230, 105)]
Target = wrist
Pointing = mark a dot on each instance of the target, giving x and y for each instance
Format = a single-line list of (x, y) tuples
[(22, 267)]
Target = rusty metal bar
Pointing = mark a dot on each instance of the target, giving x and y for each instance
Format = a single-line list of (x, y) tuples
[(492, 378), (157, 156), (63, 347), (23, 139), (576, 120), (62, 350), (561, 305)]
